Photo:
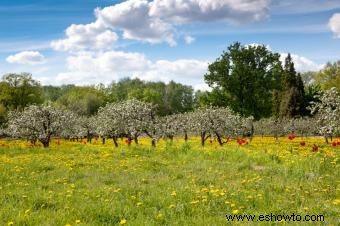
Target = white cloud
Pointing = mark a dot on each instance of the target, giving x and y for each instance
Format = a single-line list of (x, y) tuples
[(258, 44), (132, 17), (334, 24), (156, 21), (187, 11), (302, 64), (88, 36), (189, 39), (89, 68), (26, 57)]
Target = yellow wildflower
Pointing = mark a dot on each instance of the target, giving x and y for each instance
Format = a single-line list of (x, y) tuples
[(122, 221), (236, 211)]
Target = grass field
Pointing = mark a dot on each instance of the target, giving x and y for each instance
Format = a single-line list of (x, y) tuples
[(174, 184)]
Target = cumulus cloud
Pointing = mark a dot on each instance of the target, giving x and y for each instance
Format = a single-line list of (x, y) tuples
[(89, 68), (26, 57), (156, 21), (302, 64), (334, 24), (88, 36), (133, 18)]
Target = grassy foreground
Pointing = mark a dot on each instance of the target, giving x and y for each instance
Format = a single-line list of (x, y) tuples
[(175, 184)]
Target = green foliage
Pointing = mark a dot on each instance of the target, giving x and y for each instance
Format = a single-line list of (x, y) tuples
[(329, 76), (244, 78), (20, 90), (169, 98), (82, 100), (52, 93)]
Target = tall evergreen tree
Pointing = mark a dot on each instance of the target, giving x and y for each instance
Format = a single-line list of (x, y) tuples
[(291, 97)]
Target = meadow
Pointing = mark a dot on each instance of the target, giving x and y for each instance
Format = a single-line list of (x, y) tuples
[(176, 183)]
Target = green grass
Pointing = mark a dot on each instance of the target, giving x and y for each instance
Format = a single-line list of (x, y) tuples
[(101, 185)]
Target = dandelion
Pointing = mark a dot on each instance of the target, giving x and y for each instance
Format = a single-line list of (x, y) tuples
[(67, 225), (139, 203), (173, 193), (10, 223), (78, 221), (236, 211), (172, 206), (122, 221)]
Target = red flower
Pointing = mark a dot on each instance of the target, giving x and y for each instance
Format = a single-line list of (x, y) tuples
[(240, 142), (302, 143), (338, 142), (334, 143), (210, 141), (292, 137), (127, 141), (315, 148)]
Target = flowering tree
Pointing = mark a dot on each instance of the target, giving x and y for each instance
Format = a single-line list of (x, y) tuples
[(87, 127), (170, 126), (303, 126), (137, 117), (108, 123), (327, 113), (217, 122), (269, 127), (37, 123), (129, 118)]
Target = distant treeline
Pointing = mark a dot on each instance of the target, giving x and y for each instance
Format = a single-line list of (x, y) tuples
[(251, 80)]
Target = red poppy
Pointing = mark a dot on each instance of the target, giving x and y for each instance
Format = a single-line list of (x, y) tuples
[(334, 143), (240, 142), (338, 142), (291, 137), (302, 143), (315, 148), (128, 142)]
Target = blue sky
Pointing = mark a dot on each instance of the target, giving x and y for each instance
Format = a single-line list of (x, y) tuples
[(157, 39)]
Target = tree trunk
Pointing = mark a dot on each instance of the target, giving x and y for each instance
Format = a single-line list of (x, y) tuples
[(153, 143), (114, 138), (103, 140), (202, 139), (135, 138), (326, 138), (185, 136), (46, 141), (220, 142)]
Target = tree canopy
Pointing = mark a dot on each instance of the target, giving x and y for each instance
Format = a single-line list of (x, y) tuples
[(244, 78)]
